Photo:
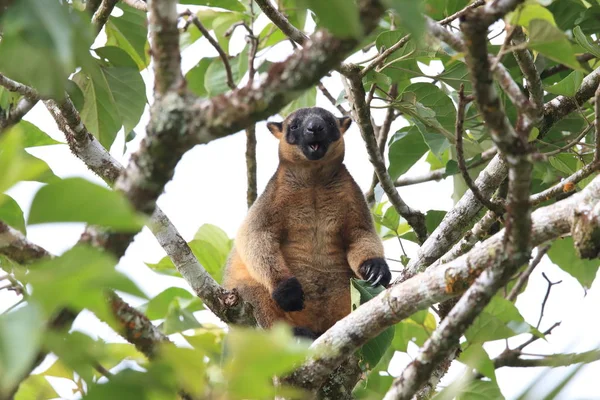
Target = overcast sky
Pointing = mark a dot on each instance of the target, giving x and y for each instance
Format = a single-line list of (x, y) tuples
[(210, 187)]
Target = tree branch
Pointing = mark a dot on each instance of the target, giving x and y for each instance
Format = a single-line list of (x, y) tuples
[(513, 359), (224, 57), (282, 22), (524, 277), (137, 4), (434, 285), (460, 158), (17, 113), (566, 185), (597, 124), (362, 114), (530, 72), (103, 13)]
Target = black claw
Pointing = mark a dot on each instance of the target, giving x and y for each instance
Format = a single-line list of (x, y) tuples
[(375, 271)]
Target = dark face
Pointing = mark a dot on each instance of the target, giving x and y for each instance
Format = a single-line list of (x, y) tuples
[(311, 130)]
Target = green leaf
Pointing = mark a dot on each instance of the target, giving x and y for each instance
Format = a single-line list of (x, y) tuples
[(255, 356), (406, 148), (215, 77), (41, 46), (210, 257), (306, 99), (158, 383), (417, 329), (552, 43), (477, 358), (36, 387), (439, 9), (178, 319), (186, 365), (568, 86), (480, 390), (433, 219), (528, 12), (215, 236), (20, 339), (435, 99), (158, 307), (374, 349), (77, 351), (11, 213), (165, 267), (583, 42), (115, 95), (129, 32), (209, 339), (34, 136), (411, 15), (77, 279), (562, 253), (18, 165), (340, 17), (390, 219), (78, 200), (196, 77), (233, 5), (500, 319)]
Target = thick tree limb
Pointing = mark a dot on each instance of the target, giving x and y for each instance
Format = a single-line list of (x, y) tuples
[(434, 285), (597, 124), (282, 22), (137, 4), (362, 114)]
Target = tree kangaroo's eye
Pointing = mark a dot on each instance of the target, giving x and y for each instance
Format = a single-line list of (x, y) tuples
[(294, 127)]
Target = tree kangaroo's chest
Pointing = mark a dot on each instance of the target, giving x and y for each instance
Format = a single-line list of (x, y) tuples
[(314, 226)]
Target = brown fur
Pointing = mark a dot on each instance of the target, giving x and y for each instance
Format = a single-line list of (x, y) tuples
[(312, 222)]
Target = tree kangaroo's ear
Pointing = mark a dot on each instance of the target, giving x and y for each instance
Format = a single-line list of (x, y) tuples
[(276, 129), (343, 124)]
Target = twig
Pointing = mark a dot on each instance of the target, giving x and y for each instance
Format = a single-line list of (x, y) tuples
[(282, 22), (251, 192), (400, 43), (597, 124), (566, 185), (460, 158), (534, 338), (555, 69), (530, 72), (550, 284), (17, 113), (382, 138), (224, 57), (524, 278), (332, 99), (362, 113), (572, 143), (103, 371), (551, 360)]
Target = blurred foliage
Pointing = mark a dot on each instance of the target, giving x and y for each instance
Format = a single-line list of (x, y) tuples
[(49, 45)]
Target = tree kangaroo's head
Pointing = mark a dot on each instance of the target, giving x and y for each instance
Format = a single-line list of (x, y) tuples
[(310, 135)]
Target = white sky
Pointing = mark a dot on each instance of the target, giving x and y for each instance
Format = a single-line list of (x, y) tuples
[(210, 187)]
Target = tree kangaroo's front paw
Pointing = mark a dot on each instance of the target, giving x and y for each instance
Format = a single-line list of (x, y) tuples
[(289, 295), (376, 272)]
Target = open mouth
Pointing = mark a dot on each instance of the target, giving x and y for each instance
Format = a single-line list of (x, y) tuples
[(314, 146)]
